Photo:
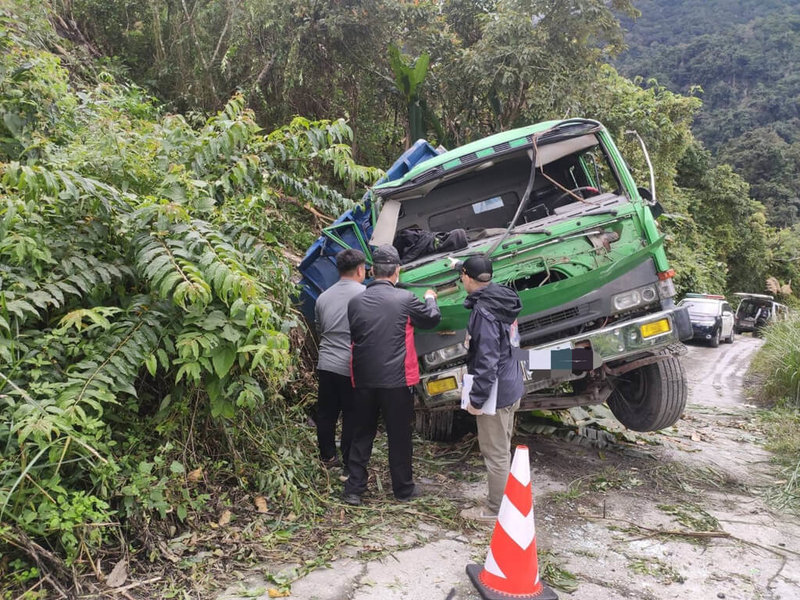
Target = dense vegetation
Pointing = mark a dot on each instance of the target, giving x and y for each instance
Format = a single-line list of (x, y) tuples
[(145, 305), (740, 58), (491, 65), (776, 370), (155, 185)]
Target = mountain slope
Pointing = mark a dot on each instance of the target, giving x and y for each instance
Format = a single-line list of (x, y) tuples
[(743, 57)]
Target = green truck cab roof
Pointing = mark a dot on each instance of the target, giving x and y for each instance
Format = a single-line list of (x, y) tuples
[(492, 145)]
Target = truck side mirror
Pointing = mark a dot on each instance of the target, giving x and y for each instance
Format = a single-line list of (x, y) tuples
[(647, 196)]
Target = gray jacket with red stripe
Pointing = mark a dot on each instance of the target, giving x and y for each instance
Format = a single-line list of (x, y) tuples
[(382, 322)]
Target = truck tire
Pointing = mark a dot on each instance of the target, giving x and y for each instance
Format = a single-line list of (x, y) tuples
[(651, 397), (434, 425)]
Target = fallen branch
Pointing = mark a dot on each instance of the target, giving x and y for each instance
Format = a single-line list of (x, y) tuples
[(696, 534), (699, 534), (47, 562), (307, 206), (673, 532), (121, 590)]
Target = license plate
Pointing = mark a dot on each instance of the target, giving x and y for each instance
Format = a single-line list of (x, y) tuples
[(440, 386), (651, 329), (541, 359)]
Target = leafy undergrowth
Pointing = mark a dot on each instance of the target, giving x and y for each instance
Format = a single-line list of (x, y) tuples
[(777, 363), (776, 368), (782, 427), (236, 533), (150, 354)]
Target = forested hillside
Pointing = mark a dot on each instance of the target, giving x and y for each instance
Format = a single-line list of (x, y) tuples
[(740, 58), (162, 165)]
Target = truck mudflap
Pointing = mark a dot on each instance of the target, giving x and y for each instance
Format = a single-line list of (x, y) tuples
[(570, 358)]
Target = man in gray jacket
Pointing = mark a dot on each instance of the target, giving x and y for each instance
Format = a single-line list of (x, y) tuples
[(384, 369), (333, 369), (491, 339)]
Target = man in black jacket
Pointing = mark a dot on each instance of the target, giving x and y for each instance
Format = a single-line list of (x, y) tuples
[(384, 368), (491, 336)]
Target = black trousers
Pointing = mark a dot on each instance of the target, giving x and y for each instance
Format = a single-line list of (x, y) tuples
[(397, 407), (335, 397)]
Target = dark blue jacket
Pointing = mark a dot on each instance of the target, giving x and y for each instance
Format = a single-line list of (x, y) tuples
[(490, 355)]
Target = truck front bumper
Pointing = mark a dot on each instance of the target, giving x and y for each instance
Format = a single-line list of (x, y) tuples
[(548, 365)]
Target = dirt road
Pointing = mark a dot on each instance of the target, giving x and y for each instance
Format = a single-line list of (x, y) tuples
[(678, 515)]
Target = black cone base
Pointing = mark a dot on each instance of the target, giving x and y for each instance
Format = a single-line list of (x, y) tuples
[(474, 572)]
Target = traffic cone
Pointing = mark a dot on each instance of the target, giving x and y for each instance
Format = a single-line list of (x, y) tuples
[(512, 568)]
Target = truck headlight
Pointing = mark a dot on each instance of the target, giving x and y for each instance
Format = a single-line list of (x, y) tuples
[(639, 297), (431, 360), (627, 300)]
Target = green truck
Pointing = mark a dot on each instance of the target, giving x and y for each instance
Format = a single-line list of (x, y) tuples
[(556, 210)]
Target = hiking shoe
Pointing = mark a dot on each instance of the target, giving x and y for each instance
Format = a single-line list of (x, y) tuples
[(415, 493), (331, 463), (479, 514), (352, 499)]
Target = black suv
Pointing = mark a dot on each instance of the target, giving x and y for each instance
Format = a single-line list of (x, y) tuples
[(711, 317)]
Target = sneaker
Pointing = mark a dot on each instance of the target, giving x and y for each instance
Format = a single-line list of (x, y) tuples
[(479, 514), (352, 499)]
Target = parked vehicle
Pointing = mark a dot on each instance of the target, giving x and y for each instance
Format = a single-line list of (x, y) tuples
[(556, 209), (711, 317), (756, 311)]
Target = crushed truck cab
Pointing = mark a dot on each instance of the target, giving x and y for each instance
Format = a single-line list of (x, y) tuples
[(556, 210)]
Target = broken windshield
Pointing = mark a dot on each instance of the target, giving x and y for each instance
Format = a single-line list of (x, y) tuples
[(571, 176)]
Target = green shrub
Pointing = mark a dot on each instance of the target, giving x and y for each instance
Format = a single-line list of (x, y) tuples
[(778, 362), (145, 303)]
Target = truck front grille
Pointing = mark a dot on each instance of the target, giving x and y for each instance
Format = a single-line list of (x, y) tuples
[(553, 318)]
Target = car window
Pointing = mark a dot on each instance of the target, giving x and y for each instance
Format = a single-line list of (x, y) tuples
[(495, 211), (748, 309), (599, 171), (489, 196), (701, 308)]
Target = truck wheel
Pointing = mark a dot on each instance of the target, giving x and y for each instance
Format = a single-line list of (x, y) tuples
[(436, 426), (651, 397)]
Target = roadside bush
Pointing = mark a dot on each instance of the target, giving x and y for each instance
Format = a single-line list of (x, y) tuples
[(778, 362), (145, 308)]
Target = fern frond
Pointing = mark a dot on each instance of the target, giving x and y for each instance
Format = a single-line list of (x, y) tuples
[(314, 193), (168, 266), (224, 135), (120, 352), (223, 265), (39, 183)]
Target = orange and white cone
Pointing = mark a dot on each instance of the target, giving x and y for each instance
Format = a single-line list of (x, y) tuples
[(511, 569)]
